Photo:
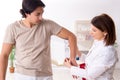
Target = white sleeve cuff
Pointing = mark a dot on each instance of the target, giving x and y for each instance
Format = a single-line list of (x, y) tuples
[(78, 71)]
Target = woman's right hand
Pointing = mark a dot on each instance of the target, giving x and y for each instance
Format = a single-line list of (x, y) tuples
[(67, 62)]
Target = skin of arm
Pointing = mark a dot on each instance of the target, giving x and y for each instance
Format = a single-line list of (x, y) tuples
[(6, 49), (65, 34)]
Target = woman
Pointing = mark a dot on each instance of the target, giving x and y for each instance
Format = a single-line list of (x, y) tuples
[(100, 61), (31, 37)]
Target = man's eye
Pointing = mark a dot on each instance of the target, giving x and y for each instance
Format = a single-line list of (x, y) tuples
[(38, 14)]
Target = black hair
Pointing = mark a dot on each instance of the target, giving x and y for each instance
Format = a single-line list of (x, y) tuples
[(28, 6), (105, 23)]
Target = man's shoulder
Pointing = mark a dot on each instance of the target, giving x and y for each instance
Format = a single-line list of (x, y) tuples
[(48, 21), (14, 23)]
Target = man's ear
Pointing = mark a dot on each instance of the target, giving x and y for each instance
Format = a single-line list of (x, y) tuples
[(27, 14)]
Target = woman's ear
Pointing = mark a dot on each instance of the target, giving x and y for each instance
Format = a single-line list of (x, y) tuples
[(105, 33)]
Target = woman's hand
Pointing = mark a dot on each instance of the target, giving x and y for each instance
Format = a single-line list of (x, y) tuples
[(67, 63)]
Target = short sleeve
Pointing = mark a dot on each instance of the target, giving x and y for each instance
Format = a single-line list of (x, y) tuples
[(9, 35), (54, 27)]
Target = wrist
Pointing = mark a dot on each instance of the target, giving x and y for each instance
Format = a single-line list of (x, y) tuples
[(72, 58)]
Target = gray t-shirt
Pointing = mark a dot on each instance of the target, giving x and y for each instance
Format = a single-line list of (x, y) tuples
[(32, 50)]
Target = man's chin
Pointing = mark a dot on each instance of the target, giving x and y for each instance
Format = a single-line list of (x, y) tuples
[(38, 22)]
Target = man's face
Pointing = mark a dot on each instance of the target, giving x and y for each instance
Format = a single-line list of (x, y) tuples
[(36, 16)]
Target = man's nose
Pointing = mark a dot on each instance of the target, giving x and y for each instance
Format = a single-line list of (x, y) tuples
[(40, 17)]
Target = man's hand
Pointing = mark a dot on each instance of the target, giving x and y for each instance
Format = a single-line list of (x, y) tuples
[(73, 62)]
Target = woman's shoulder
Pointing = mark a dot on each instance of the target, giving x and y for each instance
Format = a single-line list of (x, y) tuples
[(109, 50)]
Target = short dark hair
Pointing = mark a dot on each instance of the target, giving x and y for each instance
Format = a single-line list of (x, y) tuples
[(105, 23), (28, 6)]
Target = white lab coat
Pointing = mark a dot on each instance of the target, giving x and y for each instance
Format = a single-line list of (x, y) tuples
[(100, 62)]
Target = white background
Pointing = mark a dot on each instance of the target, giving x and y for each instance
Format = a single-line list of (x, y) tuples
[(65, 13)]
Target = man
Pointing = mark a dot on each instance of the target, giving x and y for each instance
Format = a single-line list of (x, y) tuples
[(31, 38)]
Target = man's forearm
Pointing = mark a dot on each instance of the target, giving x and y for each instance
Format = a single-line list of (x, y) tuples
[(73, 46), (73, 49), (3, 66)]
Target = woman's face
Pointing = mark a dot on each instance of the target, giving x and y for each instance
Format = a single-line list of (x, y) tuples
[(36, 16), (96, 33)]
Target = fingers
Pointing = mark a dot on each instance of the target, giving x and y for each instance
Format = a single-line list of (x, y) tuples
[(67, 63), (72, 62), (66, 59), (75, 77)]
